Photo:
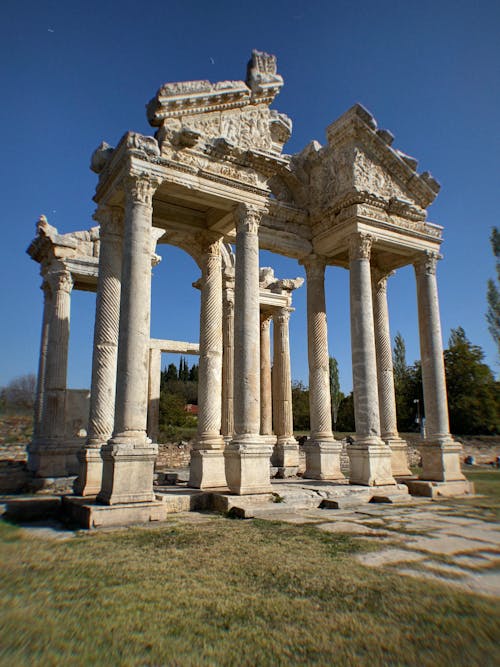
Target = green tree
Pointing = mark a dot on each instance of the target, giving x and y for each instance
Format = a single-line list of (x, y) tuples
[(336, 395), (473, 396), (193, 373), (345, 422), (300, 407), (493, 293), (171, 373), (407, 386)]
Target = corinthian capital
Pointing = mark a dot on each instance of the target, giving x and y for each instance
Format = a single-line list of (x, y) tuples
[(248, 218), (282, 315), (60, 281), (140, 188), (426, 264), (110, 219), (379, 279), (314, 266), (360, 246)]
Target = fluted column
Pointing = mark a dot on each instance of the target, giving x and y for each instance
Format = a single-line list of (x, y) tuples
[(286, 451), (385, 377), (322, 452), (227, 427), (440, 453), (247, 458), (266, 392), (104, 358), (370, 457), (207, 461), (42, 361), (128, 458)]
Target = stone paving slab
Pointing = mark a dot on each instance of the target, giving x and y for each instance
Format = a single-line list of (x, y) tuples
[(389, 557), (350, 527), (445, 545)]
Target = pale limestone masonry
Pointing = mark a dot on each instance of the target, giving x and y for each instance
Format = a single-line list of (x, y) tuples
[(214, 181)]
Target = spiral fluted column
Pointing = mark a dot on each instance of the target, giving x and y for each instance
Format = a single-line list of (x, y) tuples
[(322, 452), (247, 457), (385, 377), (266, 392), (207, 460), (370, 457), (128, 458), (104, 359), (227, 426), (440, 453), (286, 450)]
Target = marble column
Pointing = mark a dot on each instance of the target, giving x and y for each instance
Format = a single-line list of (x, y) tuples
[(227, 427), (247, 457), (207, 469), (266, 391), (370, 457), (128, 458), (322, 451), (385, 377), (286, 450), (42, 362), (50, 456), (440, 453), (154, 387), (104, 359)]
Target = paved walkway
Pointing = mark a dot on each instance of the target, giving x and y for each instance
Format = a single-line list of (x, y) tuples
[(430, 540)]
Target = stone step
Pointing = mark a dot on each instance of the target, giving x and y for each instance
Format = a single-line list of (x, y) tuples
[(392, 498), (32, 508), (346, 502)]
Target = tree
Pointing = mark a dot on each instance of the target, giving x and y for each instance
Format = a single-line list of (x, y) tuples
[(399, 359), (493, 293), (19, 394), (300, 407), (193, 373), (346, 414), (407, 386), (171, 373), (335, 394), (473, 396)]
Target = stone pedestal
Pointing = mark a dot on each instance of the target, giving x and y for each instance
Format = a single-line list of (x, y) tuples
[(385, 377), (322, 451), (207, 468), (370, 456), (246, 458), (128, 458), (102, 395), (440, 453)]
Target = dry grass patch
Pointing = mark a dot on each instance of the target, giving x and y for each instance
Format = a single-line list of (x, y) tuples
[(226, 593)]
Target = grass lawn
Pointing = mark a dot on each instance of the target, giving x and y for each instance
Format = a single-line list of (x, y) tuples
[(226, 592)]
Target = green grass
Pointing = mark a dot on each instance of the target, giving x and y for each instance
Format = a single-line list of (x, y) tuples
[(226, 592)]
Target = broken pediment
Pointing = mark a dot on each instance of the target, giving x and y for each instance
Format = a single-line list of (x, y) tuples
[(197, 114)]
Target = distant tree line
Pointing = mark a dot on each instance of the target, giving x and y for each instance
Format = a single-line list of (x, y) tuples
[(473, 392), (178, 387)]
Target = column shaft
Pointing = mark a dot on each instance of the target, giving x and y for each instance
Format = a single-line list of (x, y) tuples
[(322, 452), (104, 358), (440, 453), (286, 452), (385, 377), (42, 362), (247, 458), (207, 460), (154, 387), (370, 457), (128, 458), (227, 427), (266, 392)]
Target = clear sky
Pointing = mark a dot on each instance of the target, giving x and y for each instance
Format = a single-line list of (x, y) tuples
[(74, 73)]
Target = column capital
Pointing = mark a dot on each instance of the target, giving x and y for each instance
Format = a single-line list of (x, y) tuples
[(248, 217), (379, 278), (360, 245), (110, 219), (140, 188), (314, 265), (426, 263), (211, 243), (265, 320), (60, 280), (282, 315)]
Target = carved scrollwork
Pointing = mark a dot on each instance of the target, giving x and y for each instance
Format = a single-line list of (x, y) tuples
[(427, 263), (248, 218), (360, 246)]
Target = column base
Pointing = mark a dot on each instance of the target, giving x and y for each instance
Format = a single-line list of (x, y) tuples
[(323, 459), (285, 457), (441, 459), (207, 469), (89, 480), (247, 465), (53, 458), (370, 462), (429, 489), (399, 456), (127, 475)]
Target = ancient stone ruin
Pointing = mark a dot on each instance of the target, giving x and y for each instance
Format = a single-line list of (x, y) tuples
[(214, 181)]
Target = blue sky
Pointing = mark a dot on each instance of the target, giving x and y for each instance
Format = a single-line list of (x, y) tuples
[(74, 73)]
